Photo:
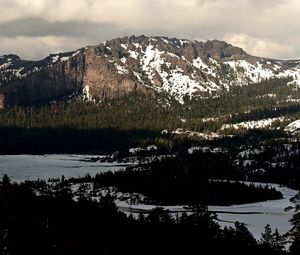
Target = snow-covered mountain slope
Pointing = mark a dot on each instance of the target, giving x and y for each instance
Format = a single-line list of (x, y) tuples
[(293, 127), (179, 68), (13, 68), (190, 68), (30, 82)]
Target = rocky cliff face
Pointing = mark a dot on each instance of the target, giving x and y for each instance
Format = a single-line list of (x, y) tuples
[(1, 102), (106, 77), (55, 80), (180, 68)]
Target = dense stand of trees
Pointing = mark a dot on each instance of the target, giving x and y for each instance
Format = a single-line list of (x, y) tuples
[(186, 179), (170, 190), (136, 121), (73, 140), (53, 223)]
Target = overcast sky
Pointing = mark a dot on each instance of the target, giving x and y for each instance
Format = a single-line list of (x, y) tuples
[(35, 28)]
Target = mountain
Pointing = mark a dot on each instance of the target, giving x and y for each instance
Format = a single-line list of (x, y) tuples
[(150, 65)]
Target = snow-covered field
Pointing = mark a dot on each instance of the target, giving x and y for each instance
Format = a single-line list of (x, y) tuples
[(32, 167), (253, 124), (292, 127), (255, 215)]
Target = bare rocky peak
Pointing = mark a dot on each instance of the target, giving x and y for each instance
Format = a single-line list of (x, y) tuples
[(150, 65), (8, 58), (190, 49), (221, 50)]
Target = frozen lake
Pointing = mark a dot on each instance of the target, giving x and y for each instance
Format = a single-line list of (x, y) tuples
[(254, 215), (257, 215), (32, 167)]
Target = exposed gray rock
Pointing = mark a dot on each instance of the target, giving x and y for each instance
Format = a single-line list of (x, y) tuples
[(143, 64)]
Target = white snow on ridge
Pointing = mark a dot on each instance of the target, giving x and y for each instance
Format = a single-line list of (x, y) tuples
[(7, 64), (210, 70), (270, 95), (180, 76), (256, 73), (292, 127), (174, 81), (64, 59), (138, 76), (121, 69), (180, 83), (165, 40), (255, 124), (172, 55), (137, 45), (209, 119), (198, 63), (182, 42), (249, 152), (207, 149), (133, 54), (124, 46), (86, 93), (76, 53), (139, 149), (181, 131), (54, 59)]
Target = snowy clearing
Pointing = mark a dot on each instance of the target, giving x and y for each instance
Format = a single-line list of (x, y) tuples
[(255, 215), (32, 167)]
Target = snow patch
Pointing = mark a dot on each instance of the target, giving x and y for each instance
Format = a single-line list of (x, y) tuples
[(255, 73), (209, 119), (123, 60), (209, 136), (86, 93), (255, 124), (292, 127), (182, 42), (165, 40), (5, 65), (133, 54), (64, 59), (76, 53), (124, 46), (54, 59), (121, 69)]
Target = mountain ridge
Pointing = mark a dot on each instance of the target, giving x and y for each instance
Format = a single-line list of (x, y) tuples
[(178, 67)]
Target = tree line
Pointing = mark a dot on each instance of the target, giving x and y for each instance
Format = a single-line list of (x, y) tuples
[(53, 223)]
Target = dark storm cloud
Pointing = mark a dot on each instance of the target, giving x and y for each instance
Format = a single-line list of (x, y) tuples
[(262, 27), (40, 27)]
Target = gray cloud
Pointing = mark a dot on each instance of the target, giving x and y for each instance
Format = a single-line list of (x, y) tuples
[(41, 27), (262, 27)]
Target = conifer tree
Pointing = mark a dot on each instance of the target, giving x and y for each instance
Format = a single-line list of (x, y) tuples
[(295, 231)]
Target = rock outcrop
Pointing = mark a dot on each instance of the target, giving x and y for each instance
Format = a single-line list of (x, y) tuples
[(149, 65), (1, 102), (60, 79), (103, 78)]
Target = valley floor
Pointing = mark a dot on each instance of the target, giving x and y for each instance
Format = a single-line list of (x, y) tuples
[(276, 213)]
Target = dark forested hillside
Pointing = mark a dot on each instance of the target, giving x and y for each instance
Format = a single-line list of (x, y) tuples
[(193, 179), (53, 223), (80, 126)]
